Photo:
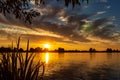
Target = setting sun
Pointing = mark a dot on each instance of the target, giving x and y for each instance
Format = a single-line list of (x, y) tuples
[(46, 45)]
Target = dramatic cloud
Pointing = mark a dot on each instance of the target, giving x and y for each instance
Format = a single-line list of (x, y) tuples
[(106, 32), (61, 24)]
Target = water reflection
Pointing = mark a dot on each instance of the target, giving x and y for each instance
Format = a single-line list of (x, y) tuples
[(82, 66), (61, 55), (92, 56), (46, 57)]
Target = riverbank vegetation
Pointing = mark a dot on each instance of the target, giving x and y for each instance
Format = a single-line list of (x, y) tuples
[(15, 66)]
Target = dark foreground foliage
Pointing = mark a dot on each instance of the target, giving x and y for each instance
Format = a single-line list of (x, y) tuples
[(19, 8), (18, 66)]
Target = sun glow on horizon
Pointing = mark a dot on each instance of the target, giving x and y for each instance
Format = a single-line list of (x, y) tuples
[(47, 46)]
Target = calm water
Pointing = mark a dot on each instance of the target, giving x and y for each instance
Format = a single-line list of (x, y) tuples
[(81, 66)]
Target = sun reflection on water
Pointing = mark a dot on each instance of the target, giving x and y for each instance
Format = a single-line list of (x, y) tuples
[(46, 57)]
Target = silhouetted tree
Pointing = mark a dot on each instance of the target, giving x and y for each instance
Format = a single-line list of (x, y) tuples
[(8, 49), (117, 50), (32, 50), (38, 49), (109, 50), (3, 49), (92, 50), (45, 50), (19, 7), (21, 50), (15, 49), (61, 50)]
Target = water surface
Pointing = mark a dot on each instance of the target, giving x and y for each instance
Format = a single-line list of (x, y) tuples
[(81, 66)]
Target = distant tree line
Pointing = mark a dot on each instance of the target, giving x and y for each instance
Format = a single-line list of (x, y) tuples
[(107, 50), (38, 49), (112, 50), (8, 49)]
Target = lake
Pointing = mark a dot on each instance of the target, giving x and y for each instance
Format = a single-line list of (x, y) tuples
[(81, 66)]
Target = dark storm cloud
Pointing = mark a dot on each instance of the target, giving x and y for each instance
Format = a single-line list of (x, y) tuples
[(64, 30), (78, 18), (73, 23), (107, 32), (100, 22), (3, 19), (10, 20), (100, 28), (49, 21), (51, 11)]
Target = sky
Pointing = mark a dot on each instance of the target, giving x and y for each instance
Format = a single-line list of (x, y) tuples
[(95, 25)]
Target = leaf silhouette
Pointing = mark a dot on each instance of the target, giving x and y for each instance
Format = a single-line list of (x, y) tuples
[(16, 7)]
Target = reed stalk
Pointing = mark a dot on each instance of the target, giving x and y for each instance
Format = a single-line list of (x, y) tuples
[(18, 66)]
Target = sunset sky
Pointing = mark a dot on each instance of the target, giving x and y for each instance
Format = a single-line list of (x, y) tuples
[(95, 25)]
